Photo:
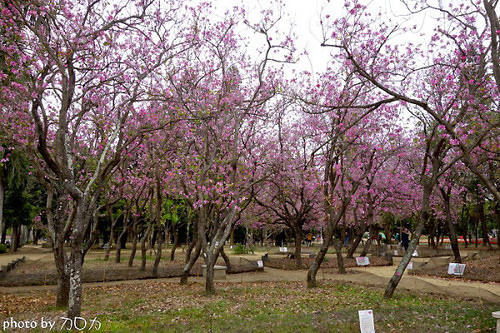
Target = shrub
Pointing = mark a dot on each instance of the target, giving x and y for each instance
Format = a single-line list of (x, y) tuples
[(3, 248), (239, 249)]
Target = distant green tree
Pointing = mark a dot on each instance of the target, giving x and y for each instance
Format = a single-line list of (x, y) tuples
[(24, 195)]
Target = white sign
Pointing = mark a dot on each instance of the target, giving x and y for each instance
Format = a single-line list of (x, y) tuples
[(260, 263), (396, 252), (366, 323), (410, 265), (283, 249), (447, 246), (362, 261), (456, 269)]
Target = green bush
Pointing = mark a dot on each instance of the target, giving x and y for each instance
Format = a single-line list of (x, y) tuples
[(239, 249), (3, 248)]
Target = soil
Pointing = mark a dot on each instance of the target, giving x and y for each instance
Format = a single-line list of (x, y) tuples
[(32, 273), (39, 270), (484, 270), (290, 264)]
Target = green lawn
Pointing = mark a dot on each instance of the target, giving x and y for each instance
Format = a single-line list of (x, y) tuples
[(271, 307)]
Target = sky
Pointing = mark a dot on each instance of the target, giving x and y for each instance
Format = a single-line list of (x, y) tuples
[(305, 15)]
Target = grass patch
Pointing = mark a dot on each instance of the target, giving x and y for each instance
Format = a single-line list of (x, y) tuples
[(271, 307)]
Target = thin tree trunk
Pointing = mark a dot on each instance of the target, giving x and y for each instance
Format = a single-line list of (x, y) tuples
[(119, 244), (160, 238), (355, 244), (453, 234), (313, 270), (189, 265), (497, 216), (2, 198), (190, 248), (143, 247), (111, 232), (484, 227), (432, 234), (371, 236), (226, 259), (159, 224), (192, 243), (298, 247), (134, 244), (175, 245), (340, 261), (423, 219)]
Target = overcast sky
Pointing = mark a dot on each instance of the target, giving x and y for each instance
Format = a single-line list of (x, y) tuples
[(306, 14)]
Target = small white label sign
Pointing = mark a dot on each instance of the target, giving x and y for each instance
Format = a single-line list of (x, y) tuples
[(362, 261), (283, 249), (456, 269), (396, 252), (366, 323), (260, 263), (410, 265)]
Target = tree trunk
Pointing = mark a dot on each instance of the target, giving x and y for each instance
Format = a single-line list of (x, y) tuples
[(484, 227), (192, 243), (497, 216), (75, 290), (209, 278), (226, 259), (119, 244), (354, 245), (431, 241), (423, 219), (134, 245), (313, 270), (175, 245), (4, 233), (62, 297), (110, 243), (371, 236), (14, 239), (298, 247), (158, 252), (192, 259), (453, 234), (143, 247), (2, 198), (340, 261)]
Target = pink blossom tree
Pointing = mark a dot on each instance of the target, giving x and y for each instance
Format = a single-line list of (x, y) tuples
[(91, 74), (453, 89), (223, 97)]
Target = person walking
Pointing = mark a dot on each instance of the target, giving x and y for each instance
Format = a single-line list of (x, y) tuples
[(405, 239)]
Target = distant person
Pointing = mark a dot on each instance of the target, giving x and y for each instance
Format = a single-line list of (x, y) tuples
[(405, 239), (309, 239)]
